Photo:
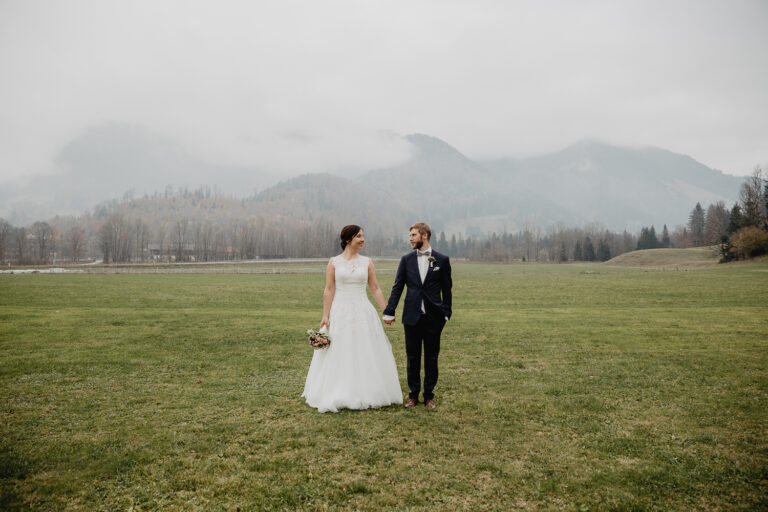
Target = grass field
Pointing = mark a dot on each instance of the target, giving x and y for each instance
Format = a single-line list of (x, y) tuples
[(570, 387), (669, 259)]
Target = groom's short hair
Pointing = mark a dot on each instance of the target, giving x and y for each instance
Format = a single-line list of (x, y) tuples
[(423, 228)]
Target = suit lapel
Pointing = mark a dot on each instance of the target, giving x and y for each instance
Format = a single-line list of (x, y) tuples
[(434, 264), (415, 266)]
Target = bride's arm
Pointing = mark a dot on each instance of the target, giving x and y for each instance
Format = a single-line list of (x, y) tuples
[(373, 284), (330, 290)]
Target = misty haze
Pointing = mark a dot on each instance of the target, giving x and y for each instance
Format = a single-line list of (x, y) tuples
[(499, 120)]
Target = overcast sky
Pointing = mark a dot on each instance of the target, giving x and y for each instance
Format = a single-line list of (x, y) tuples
[(298, 86)]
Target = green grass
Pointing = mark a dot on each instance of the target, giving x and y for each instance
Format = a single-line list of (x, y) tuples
[(673, 259), (571, 387)]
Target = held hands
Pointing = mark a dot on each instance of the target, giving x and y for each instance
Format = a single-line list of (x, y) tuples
[(390, 322)]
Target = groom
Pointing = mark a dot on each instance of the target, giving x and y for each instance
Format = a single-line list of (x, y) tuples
[(427, 308)]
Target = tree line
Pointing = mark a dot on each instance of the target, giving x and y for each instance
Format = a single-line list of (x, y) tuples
[(557, 244), (200, 226), (739, 232), (121, 233)]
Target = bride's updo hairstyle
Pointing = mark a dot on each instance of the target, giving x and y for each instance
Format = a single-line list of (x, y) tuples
[(347, 234)]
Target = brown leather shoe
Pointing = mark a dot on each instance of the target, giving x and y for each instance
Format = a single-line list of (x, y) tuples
[(410, 403), (430, 404)]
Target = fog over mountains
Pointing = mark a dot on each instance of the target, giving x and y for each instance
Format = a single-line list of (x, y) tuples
[(620, 188), (107, 162)]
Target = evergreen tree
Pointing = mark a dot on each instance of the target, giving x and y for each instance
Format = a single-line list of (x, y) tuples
[(452, 247), (736, 220), (589, 250), (696, 225), (603, 251), (652, 238), (442, 243), (641, 240), (665, 237), (765, 204), (726, 254), (563, 252), (647, 239), (577, 252)]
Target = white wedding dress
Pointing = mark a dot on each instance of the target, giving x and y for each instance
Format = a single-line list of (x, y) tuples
[(357, 370)]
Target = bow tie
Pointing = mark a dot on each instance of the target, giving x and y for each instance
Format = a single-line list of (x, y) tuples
[(428, 252)]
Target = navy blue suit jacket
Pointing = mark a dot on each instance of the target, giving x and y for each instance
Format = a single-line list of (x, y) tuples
[(435, 291)]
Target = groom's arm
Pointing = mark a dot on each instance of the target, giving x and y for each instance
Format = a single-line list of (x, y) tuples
[(445, 287), (397, 290)]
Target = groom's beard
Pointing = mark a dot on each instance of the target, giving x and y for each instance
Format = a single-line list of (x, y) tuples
[(419, 244)]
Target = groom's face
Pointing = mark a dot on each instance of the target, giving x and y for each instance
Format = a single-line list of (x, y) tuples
[(416, 239)]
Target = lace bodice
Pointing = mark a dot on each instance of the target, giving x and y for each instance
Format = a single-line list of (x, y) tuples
[(352, 275)]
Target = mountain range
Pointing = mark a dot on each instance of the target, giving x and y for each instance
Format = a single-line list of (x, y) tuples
[(587, 182)]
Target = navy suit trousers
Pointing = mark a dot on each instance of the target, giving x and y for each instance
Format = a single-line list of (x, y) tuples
[(425, 333)]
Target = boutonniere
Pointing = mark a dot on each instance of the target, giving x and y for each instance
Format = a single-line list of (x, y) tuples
[(432, 261)]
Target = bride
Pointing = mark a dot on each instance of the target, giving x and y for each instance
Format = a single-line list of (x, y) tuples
[(357, 370)]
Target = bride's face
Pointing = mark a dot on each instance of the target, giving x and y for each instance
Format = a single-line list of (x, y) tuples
[(358, 241)]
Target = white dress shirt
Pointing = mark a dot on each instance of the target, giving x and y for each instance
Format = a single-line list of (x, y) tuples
[(423, 259)]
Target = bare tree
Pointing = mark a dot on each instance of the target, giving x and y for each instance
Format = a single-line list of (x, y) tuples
[(247, 239), (207, 242), (680, 238), (43, 233), (141, 235), (232, 237), (715, 223), (106, 242), (753, 204), (528, 241), (221, 249), (6, 231), (202, 233), (161, 240), (76, 243), (22, 249), (179, 237), (114, 238)]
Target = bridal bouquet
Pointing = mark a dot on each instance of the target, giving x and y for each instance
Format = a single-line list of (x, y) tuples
[(318, 339)]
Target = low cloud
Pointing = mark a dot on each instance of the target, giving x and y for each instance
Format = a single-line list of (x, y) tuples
[(297, 86)]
